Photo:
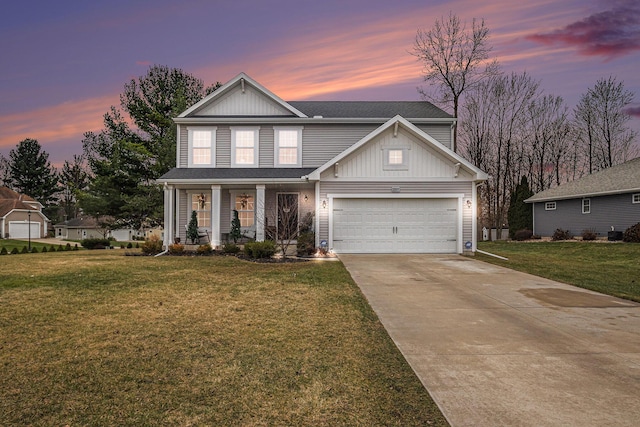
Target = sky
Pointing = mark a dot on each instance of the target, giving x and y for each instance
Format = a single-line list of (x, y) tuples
[(63, 64)]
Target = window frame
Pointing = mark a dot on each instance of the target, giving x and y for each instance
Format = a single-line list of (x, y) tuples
[(208, 212), (190, 141), (256, 146), (635, 198), (586, 207), (276, 146), (387, 165), (550, 206)]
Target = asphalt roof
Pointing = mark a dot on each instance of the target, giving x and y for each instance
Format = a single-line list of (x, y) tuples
[(621, 178), (370, 109), (236, 173)]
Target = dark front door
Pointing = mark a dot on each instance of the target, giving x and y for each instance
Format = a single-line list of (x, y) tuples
[(287, 216)]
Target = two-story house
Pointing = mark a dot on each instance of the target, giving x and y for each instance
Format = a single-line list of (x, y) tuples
[(378, 177)]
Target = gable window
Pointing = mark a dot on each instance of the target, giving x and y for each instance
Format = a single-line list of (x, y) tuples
[(635, 198), (201, 204), (550, 206), (395, 158), (202, 147), (244, 203), (586, 206), (244, 147), (287, 147)]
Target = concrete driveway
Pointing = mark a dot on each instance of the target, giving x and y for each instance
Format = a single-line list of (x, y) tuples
[(497, 347)]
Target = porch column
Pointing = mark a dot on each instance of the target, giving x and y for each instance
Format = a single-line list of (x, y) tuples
[(168, 215), (260, 208), (216, 199)]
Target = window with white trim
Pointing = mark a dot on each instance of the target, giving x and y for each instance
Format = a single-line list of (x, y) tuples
[(202, 147), (201, 203), (244, 203), (586, 206), (550, 206), (635, 198), (287, 146), (244, 147), (395, 158)]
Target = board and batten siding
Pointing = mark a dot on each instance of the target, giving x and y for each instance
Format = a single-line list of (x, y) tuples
[(616, 211), (404, 188), (251, 102)]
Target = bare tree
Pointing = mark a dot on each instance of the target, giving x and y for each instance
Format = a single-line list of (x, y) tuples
[(601, 120), (5, 172), (455, 59)]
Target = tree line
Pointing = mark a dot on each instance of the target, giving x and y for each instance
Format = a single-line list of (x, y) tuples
[(509, 127), (113, 180)]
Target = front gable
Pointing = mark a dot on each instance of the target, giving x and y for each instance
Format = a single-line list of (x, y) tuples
[(242, 96), (418, 156)]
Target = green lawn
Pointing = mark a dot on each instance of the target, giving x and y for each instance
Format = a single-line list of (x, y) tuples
[(610, 268), (97, 338)]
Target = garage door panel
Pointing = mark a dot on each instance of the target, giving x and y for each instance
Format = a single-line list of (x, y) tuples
[(395, 225)]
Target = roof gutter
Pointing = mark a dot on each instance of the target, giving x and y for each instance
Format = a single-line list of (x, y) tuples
[(580, 196)]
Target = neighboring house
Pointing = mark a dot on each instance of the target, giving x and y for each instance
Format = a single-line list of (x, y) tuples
[(603, 201), (379, 177), (88, 228), (21, 216)]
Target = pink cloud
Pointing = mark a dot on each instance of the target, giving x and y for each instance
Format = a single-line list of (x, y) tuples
[(612, 33), (633, 111)]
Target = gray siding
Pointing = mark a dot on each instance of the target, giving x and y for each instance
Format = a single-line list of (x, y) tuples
[(464, 187), (442, 133), (184, 147), (223, 147), (322, 143), (266, 147), (606, 211)]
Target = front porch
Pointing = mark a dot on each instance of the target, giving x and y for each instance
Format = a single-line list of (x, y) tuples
[(265, 211)]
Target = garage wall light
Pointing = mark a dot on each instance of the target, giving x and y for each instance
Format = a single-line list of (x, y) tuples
[(324, 204)]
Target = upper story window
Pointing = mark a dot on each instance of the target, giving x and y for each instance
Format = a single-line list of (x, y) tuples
[(395, 158), (550, 206), (202, 147), (635, 198), (586, 206), (244, 147), (287, 147)]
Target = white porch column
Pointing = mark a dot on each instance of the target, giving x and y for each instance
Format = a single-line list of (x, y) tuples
[(216, 199), (260, 208), (169, 216)]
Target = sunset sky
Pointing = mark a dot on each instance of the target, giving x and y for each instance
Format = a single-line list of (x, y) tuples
[(64, 63)]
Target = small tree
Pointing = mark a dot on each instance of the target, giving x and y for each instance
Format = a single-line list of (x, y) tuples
[(192, 229), (520, 214), (236, 233)]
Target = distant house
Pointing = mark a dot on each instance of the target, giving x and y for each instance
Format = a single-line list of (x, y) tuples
[(18, 213), (89, 228), (604, 201)]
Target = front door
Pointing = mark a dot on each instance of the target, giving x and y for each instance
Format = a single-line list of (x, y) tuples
[(287, 216)]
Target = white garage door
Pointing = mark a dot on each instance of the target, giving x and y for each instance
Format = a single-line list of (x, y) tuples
[(395, 225), (20, 230)]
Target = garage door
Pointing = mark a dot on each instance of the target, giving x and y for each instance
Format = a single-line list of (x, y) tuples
[(395, 225), (20, 230)]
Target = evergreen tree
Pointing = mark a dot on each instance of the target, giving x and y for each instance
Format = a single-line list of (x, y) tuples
[(192, 229), (31, 173), (74, 179), (236, 233), (520, 214)]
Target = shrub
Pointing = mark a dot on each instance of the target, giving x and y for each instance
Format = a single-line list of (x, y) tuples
[(561, 234), (60, 248), (4, 251), (14, 251), (129, 245), (75, 247), (34, 250), (306, 244), (152, 246), (204, 249), (24, 250), (95, 243), (68, 247), (589, 235), (176, 249), (259, 250), (521, 235), (632, 234), (44, 249), (52, 248), (230, 248)]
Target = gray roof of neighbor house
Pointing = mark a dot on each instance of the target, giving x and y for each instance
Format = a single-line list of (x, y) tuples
[(622, 178), (86, 222), (370, 109), (236, 173)]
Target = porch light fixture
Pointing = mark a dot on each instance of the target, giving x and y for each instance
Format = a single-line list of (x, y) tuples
[(306, 198), (324, 204), (469, 203)]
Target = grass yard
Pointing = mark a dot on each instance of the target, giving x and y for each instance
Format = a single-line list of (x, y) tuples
[(97, 338), (610, 268)]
